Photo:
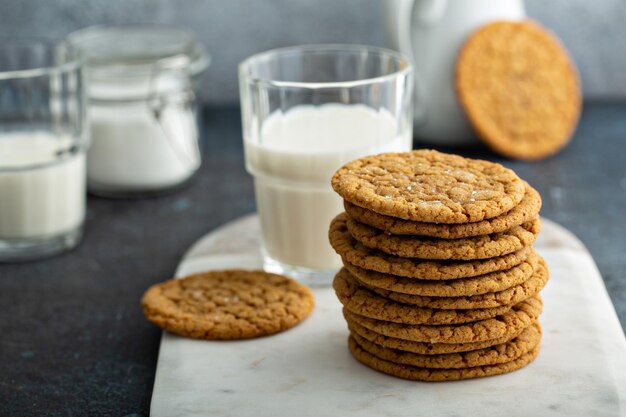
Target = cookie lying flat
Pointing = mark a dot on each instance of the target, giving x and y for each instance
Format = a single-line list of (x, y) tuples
[(462, 287), (505, 352), (469, 248), (507, 324), (424, 348), (230, 304), (366, 303), (429, 186), (437, 375), (525, 211), (355, 253), (483, 301), (519, 89)]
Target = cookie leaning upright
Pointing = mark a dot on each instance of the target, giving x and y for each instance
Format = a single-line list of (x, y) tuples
[(438, 258), (429, 186), (519, 89), (229, 304)]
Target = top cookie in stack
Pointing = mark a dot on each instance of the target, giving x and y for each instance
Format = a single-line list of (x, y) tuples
[(438, 260)]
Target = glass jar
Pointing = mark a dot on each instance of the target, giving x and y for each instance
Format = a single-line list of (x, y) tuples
[(142, 84), (43, 139)]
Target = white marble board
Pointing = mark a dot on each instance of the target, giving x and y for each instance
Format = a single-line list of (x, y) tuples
[(308, 371)]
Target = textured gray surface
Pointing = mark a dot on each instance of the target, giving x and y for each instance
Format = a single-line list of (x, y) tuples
[(234, 29), (73, 339)]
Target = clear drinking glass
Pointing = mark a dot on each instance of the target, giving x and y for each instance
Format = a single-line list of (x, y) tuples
[(306, 111), (42, 150)]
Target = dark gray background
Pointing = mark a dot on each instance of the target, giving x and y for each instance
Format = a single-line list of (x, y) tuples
[(594, 31)]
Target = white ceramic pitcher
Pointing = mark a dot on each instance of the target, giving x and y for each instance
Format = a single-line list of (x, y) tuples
[(430, 33)]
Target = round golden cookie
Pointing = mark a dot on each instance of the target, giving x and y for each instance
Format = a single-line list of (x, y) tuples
[(355, 253), (463, 287), (519, 89), (525, 211), (507, 324), (429, 186), (506, 297), (437, 375), (505, 352), (229, 304), (364, 302), (464, 249), (425, 348)]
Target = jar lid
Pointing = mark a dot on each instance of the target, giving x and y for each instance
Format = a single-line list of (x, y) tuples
[(136, 51)]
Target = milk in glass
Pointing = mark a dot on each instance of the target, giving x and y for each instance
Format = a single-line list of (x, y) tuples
[(293, 156), (42, 185)]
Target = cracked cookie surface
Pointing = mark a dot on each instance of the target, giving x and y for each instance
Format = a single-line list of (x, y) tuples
[(512, 322), (506, 297), (356, 254), (425, 348), (509, 296), (228, 304), (463, 249), (527, 340), (364, 302), (525, 211), (437, 375), (429, 186), (462, 287)]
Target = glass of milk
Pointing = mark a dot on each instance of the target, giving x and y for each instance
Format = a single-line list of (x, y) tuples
[(43, 139), (306, 111)]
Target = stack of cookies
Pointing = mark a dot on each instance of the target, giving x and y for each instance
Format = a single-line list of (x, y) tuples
[(440, 281)]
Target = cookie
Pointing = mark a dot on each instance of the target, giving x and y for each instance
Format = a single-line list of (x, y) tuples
[(356, 254), (519, 89), (481, 284), (469, 248), (437, 375), (525, 211), (422, 347), (505, 352), (507, 324), (429, 186), (484, 301), (230, 304), (364, 302)]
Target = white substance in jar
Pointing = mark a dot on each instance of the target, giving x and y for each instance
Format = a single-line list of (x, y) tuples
[(131, 150), (41, 194), (141, 83), (293, 162)]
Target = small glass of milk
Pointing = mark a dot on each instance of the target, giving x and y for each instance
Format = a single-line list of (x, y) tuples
[(142, 83), (306, 111), (43, 139)]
